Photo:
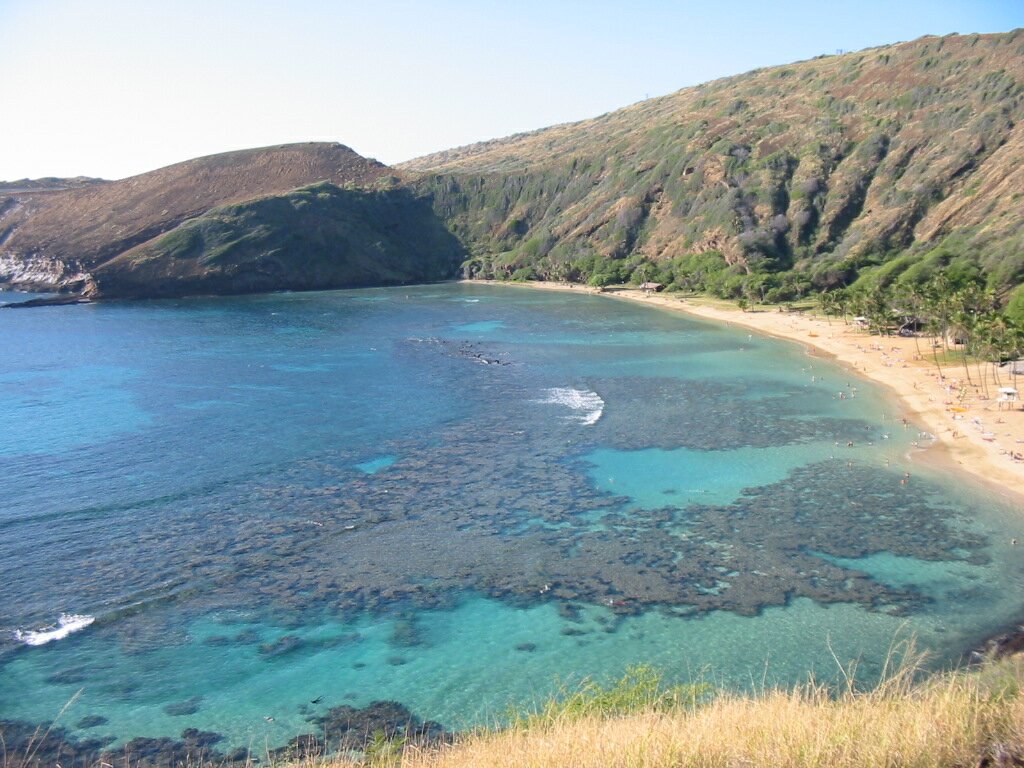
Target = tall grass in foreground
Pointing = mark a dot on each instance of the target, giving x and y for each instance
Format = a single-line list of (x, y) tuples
[(963, 719)]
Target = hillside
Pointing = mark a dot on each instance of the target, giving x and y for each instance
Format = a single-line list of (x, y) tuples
[(873, 168), (315, 237), (103, 238), (964, 718), (771, 184), (47, 183)]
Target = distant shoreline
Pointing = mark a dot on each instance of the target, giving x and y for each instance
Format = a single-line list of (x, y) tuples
[(978, 438)]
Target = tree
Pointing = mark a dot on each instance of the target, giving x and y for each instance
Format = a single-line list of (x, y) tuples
[(876, 308), (827, 304)]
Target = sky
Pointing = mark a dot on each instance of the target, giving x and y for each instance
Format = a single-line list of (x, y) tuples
[(112, 88)]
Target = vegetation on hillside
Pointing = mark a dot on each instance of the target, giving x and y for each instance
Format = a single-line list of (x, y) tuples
[(892, 165), (884, 167), (321, 236), (54, 236)]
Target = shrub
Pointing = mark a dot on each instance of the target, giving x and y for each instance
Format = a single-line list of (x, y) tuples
[(641, 689), (1015, 307)]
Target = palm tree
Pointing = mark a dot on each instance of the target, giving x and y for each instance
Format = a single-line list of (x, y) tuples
[(997, 332), (908, 299), (962, 325), (826, 303), (940, 294), (1013, 348), (1005, 343), (973, 312), (935, 304), (877, 311), (856, 302)]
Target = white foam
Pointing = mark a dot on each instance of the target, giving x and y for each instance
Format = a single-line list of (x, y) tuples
[(66, 624), (588, 405)]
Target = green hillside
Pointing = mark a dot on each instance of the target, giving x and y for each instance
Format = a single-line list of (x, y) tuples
[(316, 237), (769, 185)]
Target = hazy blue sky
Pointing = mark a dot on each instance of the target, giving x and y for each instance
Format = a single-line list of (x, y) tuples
[(117, 87)]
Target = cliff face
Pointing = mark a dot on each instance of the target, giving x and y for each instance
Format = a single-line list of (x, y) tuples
[(809, 173), (113, 238)]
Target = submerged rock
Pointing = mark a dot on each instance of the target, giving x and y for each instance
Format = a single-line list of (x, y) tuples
[(38, 746), (281, 646), (195, 747), (350, 729), (68, 677), (90, 721), (26, 745), (247, 637), (187, 707)]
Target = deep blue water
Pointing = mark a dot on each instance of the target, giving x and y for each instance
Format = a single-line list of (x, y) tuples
[(456, 497)]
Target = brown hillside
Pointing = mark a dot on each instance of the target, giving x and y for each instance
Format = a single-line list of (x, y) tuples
[(49, 183), (70, 232)]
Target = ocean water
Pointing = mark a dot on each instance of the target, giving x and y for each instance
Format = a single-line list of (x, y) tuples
[(15, 297), (234, 514)]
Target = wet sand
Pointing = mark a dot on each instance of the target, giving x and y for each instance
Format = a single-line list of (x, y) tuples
[(974, 431)]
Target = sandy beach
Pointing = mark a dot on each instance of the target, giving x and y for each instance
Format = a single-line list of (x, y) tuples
[(976, 433)]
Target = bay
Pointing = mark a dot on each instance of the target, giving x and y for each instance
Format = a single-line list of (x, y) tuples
[(457, 497)]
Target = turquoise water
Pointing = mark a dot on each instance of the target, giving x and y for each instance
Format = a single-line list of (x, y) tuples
[(455, 497)]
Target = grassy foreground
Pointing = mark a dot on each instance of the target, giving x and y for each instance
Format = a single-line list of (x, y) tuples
[(962, 719)]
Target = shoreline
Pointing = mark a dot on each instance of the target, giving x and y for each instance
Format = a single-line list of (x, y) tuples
[(973, 434)]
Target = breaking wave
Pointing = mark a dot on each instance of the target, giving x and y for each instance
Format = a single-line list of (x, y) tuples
[(66, 624), (586, 405)]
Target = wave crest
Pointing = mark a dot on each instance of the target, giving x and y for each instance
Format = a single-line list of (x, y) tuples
[(587, 405), (66, 624)]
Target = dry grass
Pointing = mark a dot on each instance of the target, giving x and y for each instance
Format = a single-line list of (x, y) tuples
[(962, 719)]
